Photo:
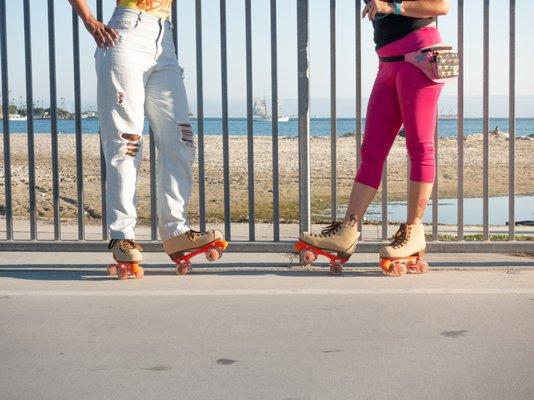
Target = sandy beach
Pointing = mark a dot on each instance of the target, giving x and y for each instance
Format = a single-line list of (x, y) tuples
[(288, 169)]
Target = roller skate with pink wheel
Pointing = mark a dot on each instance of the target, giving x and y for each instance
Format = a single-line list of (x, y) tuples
[(127, 255), (182, 248), (336, 242), (405, 253)]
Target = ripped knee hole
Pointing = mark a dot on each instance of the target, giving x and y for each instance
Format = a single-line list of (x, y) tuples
[(187, 133), (132, 143)]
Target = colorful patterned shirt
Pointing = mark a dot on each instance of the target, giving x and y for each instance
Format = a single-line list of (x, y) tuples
[(158, 8)]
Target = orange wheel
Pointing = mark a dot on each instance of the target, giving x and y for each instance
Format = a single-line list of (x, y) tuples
[(307, 257), (183, 268), (213, 254), (336, 268), (112, 270), (385, 265), (123, 271), (137, 271)]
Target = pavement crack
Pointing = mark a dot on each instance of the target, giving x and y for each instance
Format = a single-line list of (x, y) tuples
[(454, 334), (226, 361)]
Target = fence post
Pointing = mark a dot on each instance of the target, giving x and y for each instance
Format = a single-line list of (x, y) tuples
[(304, 114)]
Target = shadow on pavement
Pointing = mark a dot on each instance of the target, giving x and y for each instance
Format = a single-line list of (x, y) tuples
[(94, 274)]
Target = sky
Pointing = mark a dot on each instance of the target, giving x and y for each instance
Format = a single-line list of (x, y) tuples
[(287, 55)]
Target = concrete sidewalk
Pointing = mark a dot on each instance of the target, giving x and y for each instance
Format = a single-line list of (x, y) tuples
[(266, 333)]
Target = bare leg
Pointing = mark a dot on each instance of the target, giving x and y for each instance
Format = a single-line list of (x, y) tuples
[(360, 198), (418, 196)]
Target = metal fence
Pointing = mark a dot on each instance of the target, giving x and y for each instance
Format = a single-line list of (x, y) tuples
[(252, 245)]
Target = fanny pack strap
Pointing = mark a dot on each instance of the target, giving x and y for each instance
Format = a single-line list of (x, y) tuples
[(401, 58), (391, 59)]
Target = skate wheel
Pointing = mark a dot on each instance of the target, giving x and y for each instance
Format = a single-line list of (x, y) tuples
[(137, 271), (385, 265), (139, 274), (421, 267), (336, 269), (213, 254), (123, 271), (307, 257), (398, 269), (183, 268), (112, 270)]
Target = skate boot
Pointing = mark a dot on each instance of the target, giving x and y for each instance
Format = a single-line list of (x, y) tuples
[(127, 255), (405, 252), (183, 247), (336, 242)]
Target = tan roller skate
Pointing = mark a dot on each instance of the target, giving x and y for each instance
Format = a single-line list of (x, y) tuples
[(405, 252), (182, 248), (127, 255), (336, 242)]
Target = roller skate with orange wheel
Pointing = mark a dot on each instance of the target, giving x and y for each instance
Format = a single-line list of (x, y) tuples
[(182, 248), (405, 253), (127, 255), (336, 242)]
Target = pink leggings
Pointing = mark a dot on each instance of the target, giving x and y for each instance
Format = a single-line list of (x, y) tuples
[(401, 95)]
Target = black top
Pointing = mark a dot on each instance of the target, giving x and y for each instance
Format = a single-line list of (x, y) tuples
[(391, 27)]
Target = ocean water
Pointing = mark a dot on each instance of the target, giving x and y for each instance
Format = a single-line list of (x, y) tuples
[(319, 126), (447, 209)]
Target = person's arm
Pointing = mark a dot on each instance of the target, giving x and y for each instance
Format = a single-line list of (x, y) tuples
[(104, 36), (409, 8)]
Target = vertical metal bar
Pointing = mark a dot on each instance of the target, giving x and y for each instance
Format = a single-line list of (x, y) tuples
[(225, 133), (174, 18), (53, 119), (103, 174), (250, 127), (29, 120), (358, 133), (103, 204), (511, 124), (274, 113), (333, 112), (304, 114), (485, 124), (385, 222), (153, 187), (460, 128), (200, 118), (435, 188), (78, 116), (5, 123)]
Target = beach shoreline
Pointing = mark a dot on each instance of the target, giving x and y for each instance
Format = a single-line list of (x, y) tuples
[(263, 191)]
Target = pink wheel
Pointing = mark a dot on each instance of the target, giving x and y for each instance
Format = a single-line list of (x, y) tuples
[(213, 254), (398, 269), (307, 257), (123, 271), (183, 268), (336, 268), (421, 267), (112, 270)]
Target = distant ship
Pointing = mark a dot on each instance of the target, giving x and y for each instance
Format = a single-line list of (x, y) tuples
[(449, 115), (260, 112), (17, 117)]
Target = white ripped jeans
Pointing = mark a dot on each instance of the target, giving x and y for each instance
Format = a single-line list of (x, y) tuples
[(141, 74)]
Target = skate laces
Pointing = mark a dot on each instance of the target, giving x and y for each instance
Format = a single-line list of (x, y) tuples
[(331, 229), (400, 237), (195, 234), (125, 244)]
